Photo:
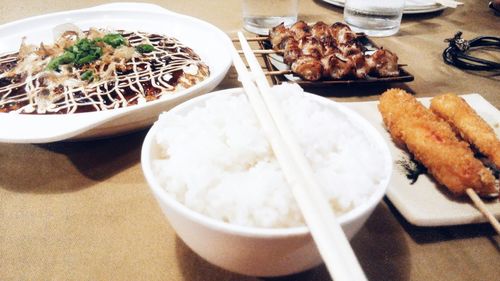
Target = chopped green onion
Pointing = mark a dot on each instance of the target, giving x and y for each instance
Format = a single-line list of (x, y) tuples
[(85, 51), (65, 58), (144, 48), (88, 75), (87, 57), (114, 39)]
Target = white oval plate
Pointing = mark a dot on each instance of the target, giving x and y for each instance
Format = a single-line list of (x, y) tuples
[(409, 9), (209, 42)]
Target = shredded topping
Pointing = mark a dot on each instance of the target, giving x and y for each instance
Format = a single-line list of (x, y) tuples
[(100, 71)]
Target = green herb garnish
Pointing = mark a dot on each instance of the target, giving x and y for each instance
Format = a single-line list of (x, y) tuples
[(144, 48), (85, 51), (65, 58), (87, 75), (114, 39)]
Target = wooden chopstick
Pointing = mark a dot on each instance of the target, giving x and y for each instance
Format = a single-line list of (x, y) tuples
[(482, 208), (327, 233)]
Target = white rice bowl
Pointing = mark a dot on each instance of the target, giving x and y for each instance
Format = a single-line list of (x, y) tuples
[(215, 158)]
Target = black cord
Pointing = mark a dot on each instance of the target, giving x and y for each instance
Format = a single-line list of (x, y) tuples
[(456, 52), (495, 7)]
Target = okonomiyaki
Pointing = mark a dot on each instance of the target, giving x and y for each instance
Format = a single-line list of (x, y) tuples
[(96, 70)]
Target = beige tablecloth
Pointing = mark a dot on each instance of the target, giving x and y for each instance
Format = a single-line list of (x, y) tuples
[(83, 211)]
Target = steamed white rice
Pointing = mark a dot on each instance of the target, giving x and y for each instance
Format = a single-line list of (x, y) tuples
[(217, 161)]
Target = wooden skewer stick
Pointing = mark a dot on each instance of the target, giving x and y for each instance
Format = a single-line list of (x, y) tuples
[(264, 38), (278, 72), (264, 51), (261, 38), (283, 72), (482, 208)]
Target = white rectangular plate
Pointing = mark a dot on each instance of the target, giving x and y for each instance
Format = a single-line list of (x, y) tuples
[(424, 203)]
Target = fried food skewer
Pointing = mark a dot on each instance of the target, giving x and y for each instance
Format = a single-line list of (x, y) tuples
[(472, 128), (433, 143), (468, 124)]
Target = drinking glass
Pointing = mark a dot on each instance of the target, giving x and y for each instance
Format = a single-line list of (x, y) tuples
[(261, 15), (374, 17)]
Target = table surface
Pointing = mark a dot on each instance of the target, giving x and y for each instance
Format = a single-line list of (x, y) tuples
[(83, 211)]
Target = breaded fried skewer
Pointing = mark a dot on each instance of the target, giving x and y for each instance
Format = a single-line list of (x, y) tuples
[(433, 143), (468, 124)]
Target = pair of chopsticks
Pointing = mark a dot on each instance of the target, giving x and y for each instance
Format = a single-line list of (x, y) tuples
[(327, 233)]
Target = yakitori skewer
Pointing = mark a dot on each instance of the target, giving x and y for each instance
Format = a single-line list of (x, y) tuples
[(325, 230), (286, 71), (282, 51), (322, 51), (264, 38), (433, 143)]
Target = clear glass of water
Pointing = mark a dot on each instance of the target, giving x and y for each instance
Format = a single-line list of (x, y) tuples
[(374, 17), (261, 15)]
